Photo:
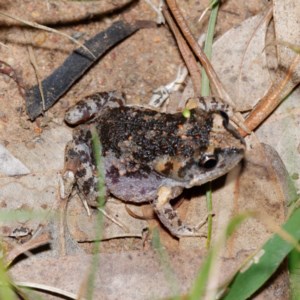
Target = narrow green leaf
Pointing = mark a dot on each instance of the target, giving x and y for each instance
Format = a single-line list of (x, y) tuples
[(199, 288), (270, 257), (164, 260), (97, 153), (235, 222), (294, 270), (209, 207), (6, 290), (200, 285), (205, 91)]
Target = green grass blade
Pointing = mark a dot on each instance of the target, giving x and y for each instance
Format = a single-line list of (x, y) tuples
[(209, 206), (294, 270), (272, 254), (97, 152), (6, 290), (200, 285), (165, 263), (199, 289), (205, 90)]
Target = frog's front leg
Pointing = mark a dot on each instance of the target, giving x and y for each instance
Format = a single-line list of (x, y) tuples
[(168, 216), (90, 106), (79, 166)]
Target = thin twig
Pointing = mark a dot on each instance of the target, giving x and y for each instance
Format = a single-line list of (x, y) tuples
[(213, 77), (46, 288), (273, 98), (8, 70), (3, 45), (31, 244), (139, 217), (186, 53), (49, 29), (114, 220), (34, 64)]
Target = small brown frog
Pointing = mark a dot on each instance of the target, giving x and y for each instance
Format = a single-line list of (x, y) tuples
[(150, 156)]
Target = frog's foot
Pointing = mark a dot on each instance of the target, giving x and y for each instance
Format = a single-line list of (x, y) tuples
[(66, 183), (169, 217)]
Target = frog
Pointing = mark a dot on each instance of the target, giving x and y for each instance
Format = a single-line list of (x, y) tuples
[(149, 156)]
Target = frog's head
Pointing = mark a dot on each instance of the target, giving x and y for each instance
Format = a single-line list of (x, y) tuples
[(224, 148)]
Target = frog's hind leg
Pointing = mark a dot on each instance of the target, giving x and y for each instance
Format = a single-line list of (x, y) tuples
[(168, 216), (210, 104), (90, 106), (215, 104)]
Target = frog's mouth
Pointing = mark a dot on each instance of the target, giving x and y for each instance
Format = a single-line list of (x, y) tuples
[(193, 171), (214, 166), (226, 148)]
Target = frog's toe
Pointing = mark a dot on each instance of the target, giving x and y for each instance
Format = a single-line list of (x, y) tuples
[(169, 217)]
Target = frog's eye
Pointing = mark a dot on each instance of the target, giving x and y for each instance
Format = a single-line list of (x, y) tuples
[(209, 161)]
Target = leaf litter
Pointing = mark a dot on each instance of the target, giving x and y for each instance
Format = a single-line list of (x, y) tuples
[(43, 154)]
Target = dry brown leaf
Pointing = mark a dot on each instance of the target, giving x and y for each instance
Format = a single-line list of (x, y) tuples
[(130, 275), (83, 228), (241, 64), (281, 129)]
